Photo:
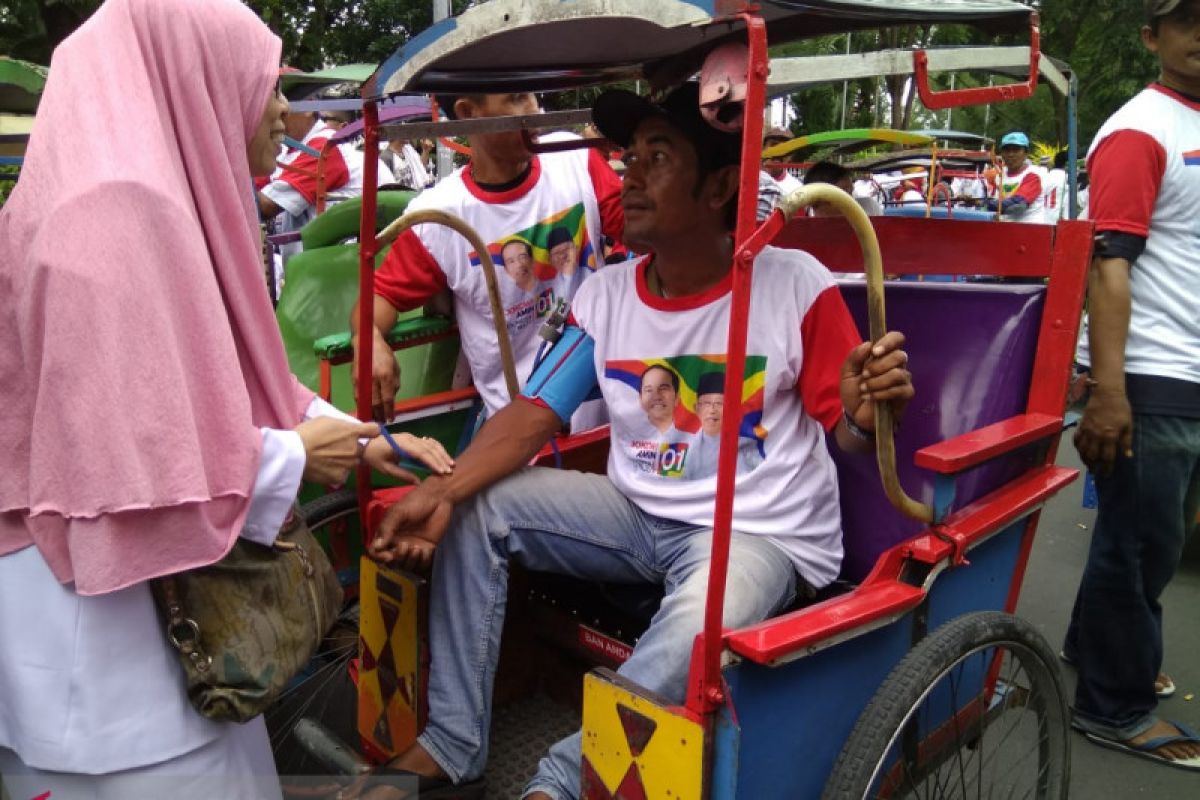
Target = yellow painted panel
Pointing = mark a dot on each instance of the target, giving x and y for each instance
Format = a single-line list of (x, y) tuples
[(388, 699), (672, 763)]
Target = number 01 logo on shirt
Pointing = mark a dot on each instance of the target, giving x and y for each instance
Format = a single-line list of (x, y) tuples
[(671, 459)]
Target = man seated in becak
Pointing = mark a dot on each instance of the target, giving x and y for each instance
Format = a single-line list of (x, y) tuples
[(664, 315), (505, 193)]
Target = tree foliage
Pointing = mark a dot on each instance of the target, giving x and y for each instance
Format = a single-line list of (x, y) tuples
[(322, 33), (31, 29), (1098, 40)]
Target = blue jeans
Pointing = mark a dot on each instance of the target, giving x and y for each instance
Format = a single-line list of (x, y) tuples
[(575, 524), (1147, 507)]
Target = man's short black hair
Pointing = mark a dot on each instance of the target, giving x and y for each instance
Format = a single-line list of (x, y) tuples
[(674, 376), (446, 102), (1157, 9), (1060, 159), (826, 172), (528, 247)]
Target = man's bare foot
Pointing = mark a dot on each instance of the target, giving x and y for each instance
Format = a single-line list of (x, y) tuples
[(1163, 685), (538, 796), (1175, 752), (415, 760)]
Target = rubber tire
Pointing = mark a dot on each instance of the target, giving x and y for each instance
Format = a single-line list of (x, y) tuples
[(922, 667), (329, 506), (332, 700)]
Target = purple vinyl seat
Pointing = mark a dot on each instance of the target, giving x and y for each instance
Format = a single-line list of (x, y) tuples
[(971, 350)]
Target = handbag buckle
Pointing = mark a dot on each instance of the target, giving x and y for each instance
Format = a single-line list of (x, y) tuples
[(189, 645)]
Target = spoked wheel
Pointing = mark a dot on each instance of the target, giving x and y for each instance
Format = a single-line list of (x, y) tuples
[(976, 710), (324, 691)]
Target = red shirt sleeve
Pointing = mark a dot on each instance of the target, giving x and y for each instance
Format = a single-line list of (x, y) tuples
[(608, 196), (829, 334), (1126, 171), (301, 173), (1030, 188), (409, 275)]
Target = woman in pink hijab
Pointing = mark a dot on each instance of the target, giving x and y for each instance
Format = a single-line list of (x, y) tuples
[(147, 414)]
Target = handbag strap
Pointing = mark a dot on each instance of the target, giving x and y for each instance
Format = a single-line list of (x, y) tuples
[(182, 631)]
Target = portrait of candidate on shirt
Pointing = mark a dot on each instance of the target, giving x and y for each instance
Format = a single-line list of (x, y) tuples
[(683, 404), (542, 264)]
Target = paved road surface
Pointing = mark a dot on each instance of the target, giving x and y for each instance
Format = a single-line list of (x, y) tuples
[(1054, 570)]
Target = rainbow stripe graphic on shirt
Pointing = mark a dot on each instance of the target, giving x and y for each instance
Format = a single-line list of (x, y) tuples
[(571, 221), (691, 369), (1191, 158)]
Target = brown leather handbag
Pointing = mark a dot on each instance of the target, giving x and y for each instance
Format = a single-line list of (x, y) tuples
[(245, 626)]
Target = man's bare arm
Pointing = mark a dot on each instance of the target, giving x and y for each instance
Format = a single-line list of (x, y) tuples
[(412, 527), (1106, 429), (503, 445), (385, 374)]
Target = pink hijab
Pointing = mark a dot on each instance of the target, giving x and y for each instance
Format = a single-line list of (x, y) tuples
[(138, 349)]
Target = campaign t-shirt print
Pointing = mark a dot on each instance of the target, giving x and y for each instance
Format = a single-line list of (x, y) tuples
[(674, 410), (542, 264)]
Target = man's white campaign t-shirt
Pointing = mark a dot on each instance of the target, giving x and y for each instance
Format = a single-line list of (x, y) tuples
[(799, 335), (574, 190), (1145, 168)]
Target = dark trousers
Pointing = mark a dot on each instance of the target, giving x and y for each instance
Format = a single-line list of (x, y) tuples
[(1147, 507)]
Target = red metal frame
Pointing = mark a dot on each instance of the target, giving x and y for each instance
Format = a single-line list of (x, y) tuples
[(368, 246), (913, 246), (1060, 255), (954, 98), (971, 449), (706, 690)]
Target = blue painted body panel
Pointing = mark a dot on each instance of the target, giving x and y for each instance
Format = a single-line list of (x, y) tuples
[(726, 738), (794, 719), (982, 583)]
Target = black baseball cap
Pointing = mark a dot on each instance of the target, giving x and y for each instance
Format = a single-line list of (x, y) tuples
[(618, 113)]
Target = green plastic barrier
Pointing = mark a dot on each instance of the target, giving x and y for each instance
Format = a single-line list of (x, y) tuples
[(319, 292)]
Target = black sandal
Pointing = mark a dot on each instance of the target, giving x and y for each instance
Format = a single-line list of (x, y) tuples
[(413, 785)]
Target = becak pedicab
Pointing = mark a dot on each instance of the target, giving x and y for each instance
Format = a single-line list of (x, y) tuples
[(909, 677)]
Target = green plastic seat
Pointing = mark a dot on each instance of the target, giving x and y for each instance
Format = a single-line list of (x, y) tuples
[(319, 292)]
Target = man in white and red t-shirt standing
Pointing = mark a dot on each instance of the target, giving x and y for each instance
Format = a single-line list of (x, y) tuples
[(657, 319), (1140, 432), (1022, 188), (289, 198), (507, 194)]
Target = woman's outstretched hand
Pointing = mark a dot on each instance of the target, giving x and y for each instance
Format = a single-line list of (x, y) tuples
[(425, 449)]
